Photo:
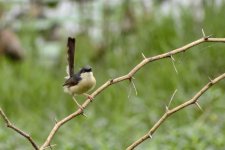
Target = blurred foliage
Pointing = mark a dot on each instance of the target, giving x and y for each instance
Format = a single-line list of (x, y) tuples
[(31, 91)]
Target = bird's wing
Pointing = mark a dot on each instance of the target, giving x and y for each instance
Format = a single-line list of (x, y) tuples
[(72, 81), (71, 51)]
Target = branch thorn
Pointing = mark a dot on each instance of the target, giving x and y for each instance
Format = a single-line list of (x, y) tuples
[(203, 33), (150, 135), (172, 57), (171, 99), (134, 87), (167, 109), (210, 79), (204, 36), (208, 36), (84, 114), (143, 56), (174, 66), (50, 146), (197, 104)]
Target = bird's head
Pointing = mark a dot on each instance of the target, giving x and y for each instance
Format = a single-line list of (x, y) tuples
[(85, 69)]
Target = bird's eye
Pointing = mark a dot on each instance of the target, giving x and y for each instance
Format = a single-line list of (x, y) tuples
[(85, 69), (88, 70)]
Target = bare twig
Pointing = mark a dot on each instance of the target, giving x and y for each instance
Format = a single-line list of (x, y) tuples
[(10, 125), (168, 113), (122, 78)]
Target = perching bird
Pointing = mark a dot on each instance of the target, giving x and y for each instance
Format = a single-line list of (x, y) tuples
[(81, 82)]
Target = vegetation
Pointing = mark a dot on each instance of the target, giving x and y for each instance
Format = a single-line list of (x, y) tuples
[(31, 90)]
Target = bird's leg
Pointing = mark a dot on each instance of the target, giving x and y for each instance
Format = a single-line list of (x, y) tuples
[(78, 103), (88, 96)]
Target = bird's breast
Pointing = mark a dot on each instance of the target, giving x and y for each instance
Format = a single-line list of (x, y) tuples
[(87, 83)]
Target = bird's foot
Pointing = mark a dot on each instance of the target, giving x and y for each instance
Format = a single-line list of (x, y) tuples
[(82, 109), (89, 96)]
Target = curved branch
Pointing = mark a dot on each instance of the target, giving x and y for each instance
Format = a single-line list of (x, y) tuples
[(10, 125), (174, 110), (125, 77)]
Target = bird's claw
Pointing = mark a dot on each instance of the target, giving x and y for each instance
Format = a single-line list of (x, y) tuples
[(89, 97)]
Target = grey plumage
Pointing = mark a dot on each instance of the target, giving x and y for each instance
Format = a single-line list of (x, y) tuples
[(80, 82)]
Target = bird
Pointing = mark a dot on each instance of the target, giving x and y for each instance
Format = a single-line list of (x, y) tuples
[(81, 82)]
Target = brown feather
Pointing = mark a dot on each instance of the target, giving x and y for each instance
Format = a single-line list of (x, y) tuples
[(71, 51)]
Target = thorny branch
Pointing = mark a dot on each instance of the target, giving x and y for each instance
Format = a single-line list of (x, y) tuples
[(170, 112), (126, 77), (108, 83), (10, 125)]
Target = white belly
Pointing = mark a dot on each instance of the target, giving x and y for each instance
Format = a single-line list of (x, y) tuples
[(86, 84)]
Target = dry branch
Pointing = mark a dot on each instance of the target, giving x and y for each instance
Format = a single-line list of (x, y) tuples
[(10, 125), (126, 77), (174, 110)]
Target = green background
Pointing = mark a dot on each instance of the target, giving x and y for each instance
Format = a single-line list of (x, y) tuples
[(32, 97)]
